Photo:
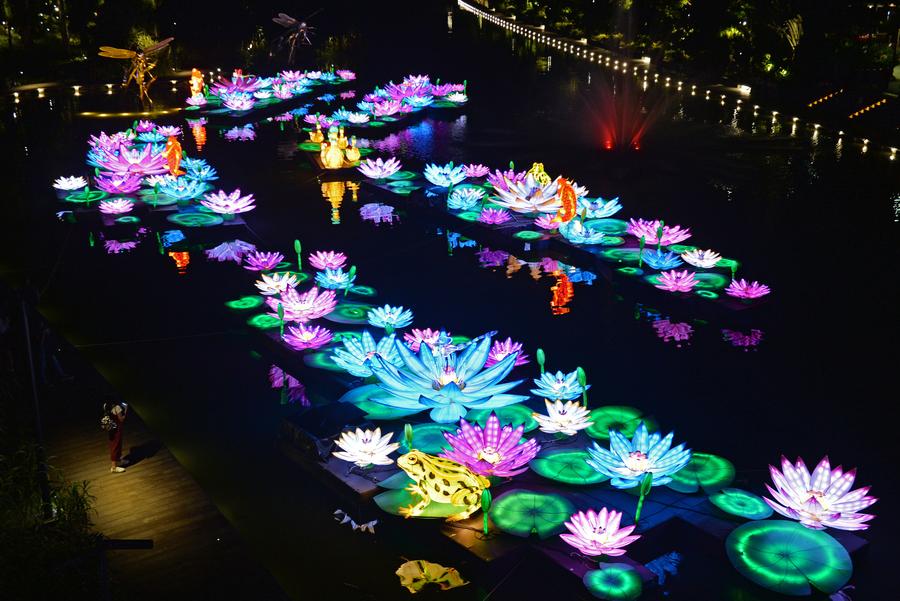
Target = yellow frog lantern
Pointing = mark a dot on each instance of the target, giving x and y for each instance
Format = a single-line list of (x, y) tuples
[(539, 175), (440, 480)]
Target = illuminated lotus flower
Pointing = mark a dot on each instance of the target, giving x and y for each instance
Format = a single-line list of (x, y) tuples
[(282, 91), (595, 533), (182, 188), (134, 161), (627, 461), (563, 418), (328, 76), (67, 184), (109, 143), (198, 100), (379, 169), (304, 337), (228, 204), (676, 281), (444, 175), (465, 199), (660, 260), (821, 499), (558, 386), (154, 180), (492, 258), (366, 447), (377, 212), (327, 259), (230, 251), (243, 133), (390, 317), (598, 209), (494, 216), (114, 247), (334, 279), (649, 230), (118, 183), (419, 101), (745, 289), (476, 170), (238, 101), (144, 126), (386, 108), (416, 337), (262, 94), (304, 307), (189, 164), (288, 75), (677, 331), (358, 118), (575, 232), (742, 340), (492, 451), (417, 80), (317, 118), (116, 206), (502, 348), (442, 89), (283, 118), (546, 222), (238, 85), (457, 97), (203, 173), (169, 130), (313, 75), (357, 351), (529, 196), (275, 283), (346, 74), (365, 105), (448, 384), (260, 261), (340, 114), (704, 259), (151, 136)]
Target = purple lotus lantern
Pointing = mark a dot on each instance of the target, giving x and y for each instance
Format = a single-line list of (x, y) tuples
[(676, 281), (198, 100), (263, 261), (304, 337), (498, 178), (546, 222), (230, 251), (224, 203), (386, 108), (442, 89), (327, 259), (109, 143), (599, 533), (493, 451), (650, 231), (304, 307), (118, 183), (476, 170), (132, 160), (494, 216), (143, 126), (746, 290), (416, 337), (502, 348)]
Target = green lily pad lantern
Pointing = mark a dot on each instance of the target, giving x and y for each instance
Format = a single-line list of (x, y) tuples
[(741, 503), (706, 471), (393, 500), (523, 513), (429, 438), (614, 581), (617, 417), (568, 466), (789, 558)]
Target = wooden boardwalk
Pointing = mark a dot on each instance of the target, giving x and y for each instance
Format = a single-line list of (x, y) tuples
[(196, 553)]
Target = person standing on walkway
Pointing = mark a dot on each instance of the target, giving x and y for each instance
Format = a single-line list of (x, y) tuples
[(117, 412)]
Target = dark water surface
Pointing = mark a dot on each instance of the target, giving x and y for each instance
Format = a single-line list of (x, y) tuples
[(812, 218)]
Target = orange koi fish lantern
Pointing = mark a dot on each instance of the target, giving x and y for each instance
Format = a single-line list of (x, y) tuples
[(173, 156), (196, 83), (569, 202)]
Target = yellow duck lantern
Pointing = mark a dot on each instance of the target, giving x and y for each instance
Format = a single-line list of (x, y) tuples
[(316, 135), (352, 152)]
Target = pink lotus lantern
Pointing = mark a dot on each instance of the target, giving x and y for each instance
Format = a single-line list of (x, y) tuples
[(476, 170), (498, 178), (346, 74), (263, 261), (116, 206), (747, 290), (416, 337), (303, 307), (676, 281), (493, 451), (650, 231), (494, 216), (228, 204), (599, 533), (118, 183), (302, 337), (135, 161), (546, 222), (502, 348), (327, 259)]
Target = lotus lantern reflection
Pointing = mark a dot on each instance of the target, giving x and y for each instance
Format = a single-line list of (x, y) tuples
[(446, 382), (627, 461), (821, 499), (492, 451), (599, 533), (230, 251)]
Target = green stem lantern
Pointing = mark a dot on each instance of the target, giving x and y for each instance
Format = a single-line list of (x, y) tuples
[(541, 359), (159, 244), (582, 380), (281, 320), (485, 508), (351, 274), (643, 243), (91, 241), (646, 485), (298, 248), (408, 436), (659, 235)]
